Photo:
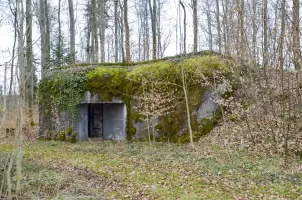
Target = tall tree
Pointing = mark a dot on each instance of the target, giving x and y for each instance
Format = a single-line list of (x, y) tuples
[(102, 28), (94, 35), (42, 25), (218, 25), (153, 14), (127, 34), (254, 29), (71, 31), (296, 35), (241, 28), (185, 28), (209, 23), (281, 66), (116, 28), (47, 35), (29, 57), (265, 33), (59, 40), (195, 24), (15, 25), (296, 49), (21, 99)]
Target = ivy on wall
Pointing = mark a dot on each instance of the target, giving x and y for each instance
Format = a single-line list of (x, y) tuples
[(62, 92)]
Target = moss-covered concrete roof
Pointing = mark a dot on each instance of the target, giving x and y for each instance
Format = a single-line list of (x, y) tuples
[(85, 67)]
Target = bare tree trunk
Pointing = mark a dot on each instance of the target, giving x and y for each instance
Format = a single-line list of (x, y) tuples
[(158, 26), (88, 49), (139, 37), (94, 36), (153, 11), (121, 28), (265, 34), (254, 34), (21, 101), (14, 11), (127, 34), (185, 27), (241, 27), (71, 30), (4, 99), (116, 29), (59, 57), (184, 86), (296, 35), (218, 25), (297, 52), (281, 66), (226, 26), (47, 36), (195, 25), (29, 58), (146, 40), (102, 29), (42, 24), (209, 22)]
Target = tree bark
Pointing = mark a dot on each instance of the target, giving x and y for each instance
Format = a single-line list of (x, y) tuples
[(218, 25), (29, 58), (242, 31), (195, 25), (47, 36), (185, 28), (296, 35), (102, 29), (42, 24), (265, 34), (71, 31), (127, 34), (281, 66), (116, 25), (254, 27), (21, 100), (94, 36), (59, 56), (14, 12), (209, 22), (153, 11)]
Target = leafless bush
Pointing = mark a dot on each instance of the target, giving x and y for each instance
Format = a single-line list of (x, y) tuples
[(264, 113)]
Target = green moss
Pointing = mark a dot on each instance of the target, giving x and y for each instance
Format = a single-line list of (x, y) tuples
[(69, 131), (61, 136)]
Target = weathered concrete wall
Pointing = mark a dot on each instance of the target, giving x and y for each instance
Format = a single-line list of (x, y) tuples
[(95, 98), (142, 129), (114, 121), (208, 106), (82, 133)]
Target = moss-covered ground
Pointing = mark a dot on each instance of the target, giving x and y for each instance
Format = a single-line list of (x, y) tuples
[(134, 170)]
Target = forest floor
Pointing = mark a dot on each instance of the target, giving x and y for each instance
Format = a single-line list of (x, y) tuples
[(125, 170)]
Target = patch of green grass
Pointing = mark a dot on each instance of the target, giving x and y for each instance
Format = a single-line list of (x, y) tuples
[(41, 182), (134, 170)]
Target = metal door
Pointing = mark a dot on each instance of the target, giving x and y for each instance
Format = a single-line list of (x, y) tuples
[(98, 120), (114, 121)]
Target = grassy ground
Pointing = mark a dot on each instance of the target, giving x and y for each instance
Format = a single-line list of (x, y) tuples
[(122, 170)]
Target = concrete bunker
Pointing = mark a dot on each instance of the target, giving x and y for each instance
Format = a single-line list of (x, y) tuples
[(100, 100), (102, 120)]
